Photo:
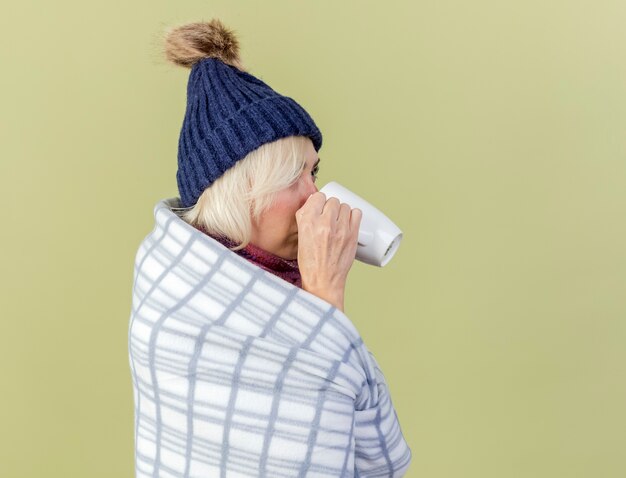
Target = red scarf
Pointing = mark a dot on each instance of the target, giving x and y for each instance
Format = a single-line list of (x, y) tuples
[(286, 269)]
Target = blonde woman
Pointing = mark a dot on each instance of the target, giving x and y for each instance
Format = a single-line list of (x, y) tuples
[(258, 204), (242, 359)]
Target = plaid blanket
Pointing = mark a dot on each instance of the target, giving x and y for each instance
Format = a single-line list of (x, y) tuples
[(238, 373)]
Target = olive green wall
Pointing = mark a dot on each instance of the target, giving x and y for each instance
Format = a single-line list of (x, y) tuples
[(492, 132)]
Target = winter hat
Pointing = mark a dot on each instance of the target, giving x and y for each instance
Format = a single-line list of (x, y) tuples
[(229, 112)]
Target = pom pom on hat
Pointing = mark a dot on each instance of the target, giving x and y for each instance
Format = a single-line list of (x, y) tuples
[(185, 45)]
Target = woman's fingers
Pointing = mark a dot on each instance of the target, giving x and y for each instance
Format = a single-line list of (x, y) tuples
[(314, 205), (335, 211), (344, 213), (331, 208), (355, 219)]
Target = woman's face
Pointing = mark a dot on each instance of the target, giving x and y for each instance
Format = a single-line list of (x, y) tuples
[(276, 231)]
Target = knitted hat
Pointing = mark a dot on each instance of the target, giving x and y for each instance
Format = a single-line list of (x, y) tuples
[(229, 112)]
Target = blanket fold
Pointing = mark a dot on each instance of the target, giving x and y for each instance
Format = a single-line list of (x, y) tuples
[(238, 373)]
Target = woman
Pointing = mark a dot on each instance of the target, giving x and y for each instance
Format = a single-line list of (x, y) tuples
[(243, 362)]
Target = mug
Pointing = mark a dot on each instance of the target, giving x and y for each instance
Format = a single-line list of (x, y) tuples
[(379, 237)]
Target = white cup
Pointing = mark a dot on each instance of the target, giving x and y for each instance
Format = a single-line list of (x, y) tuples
[(379, 237)]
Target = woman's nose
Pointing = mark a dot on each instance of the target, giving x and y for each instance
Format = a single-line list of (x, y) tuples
[(309, 191), (312, 187)]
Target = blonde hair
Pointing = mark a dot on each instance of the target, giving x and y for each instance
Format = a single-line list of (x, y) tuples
[(247, 189)]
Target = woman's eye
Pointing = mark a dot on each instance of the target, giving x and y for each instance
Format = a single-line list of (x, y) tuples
[(315, 171)]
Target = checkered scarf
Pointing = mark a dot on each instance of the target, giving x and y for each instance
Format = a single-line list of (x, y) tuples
[(239, 373)]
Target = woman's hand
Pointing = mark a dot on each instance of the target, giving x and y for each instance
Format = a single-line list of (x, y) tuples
[(328, 232)]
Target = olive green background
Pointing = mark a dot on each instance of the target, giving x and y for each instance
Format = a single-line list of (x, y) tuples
[(492, 132)]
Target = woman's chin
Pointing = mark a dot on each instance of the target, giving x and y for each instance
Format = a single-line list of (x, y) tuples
[(294, 252)]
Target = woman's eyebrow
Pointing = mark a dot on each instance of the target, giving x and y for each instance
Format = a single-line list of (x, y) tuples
[(317, 162)]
